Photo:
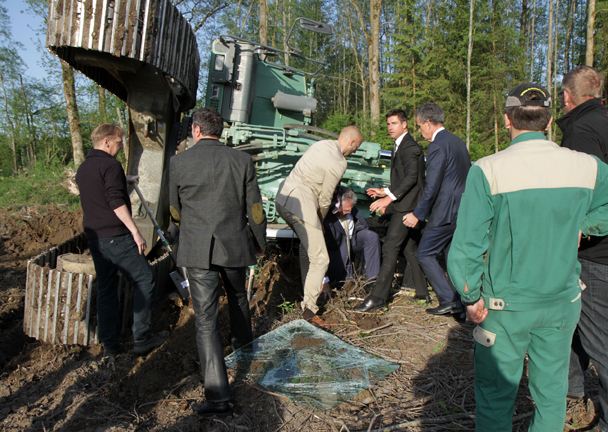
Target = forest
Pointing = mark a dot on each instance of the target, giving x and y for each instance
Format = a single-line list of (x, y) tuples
[(383, 54)]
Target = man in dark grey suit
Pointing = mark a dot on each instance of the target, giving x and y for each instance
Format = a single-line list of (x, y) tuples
[(216, 198), (447, 166)]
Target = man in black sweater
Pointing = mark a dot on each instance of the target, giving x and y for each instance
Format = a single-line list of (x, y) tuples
[(585, 128), (115, 242)]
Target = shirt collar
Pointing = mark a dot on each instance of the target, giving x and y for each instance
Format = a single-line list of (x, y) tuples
[(436, 132), (526, 136), (398, 140)]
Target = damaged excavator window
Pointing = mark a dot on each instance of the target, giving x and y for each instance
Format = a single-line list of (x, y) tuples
[(310, 366)]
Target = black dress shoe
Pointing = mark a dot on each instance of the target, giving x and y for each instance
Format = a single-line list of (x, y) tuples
[(446, 308), (210, 409), (369, 304)]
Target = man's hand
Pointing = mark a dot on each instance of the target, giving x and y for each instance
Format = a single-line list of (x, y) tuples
[(139, 241), (580, 236), (409, 220), (477, 312), (376, 192), (132, 179), (381, 203)]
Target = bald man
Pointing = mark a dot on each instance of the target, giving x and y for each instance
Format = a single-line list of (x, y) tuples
[(303, 200)]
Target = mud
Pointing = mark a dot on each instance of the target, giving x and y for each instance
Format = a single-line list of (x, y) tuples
[(72, 388)]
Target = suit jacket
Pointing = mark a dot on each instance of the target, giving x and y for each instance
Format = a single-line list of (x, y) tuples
[(447, 166), (335, 240), (407, 176), (214, 192), (308, 189)]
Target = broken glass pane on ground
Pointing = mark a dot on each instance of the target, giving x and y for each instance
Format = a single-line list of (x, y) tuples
[(308, 365)]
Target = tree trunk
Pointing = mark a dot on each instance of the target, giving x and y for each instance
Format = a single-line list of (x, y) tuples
[(102, 104), (469, 54), (12, 126), (69, 91), (590, 26), (555, 42), (549, 54), (263, 22), (374, 60), (31, 132), (533, 32)]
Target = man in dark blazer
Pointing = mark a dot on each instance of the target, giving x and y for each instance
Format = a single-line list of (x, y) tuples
[(347, 234), (447, 164), (407, 184), (216, 198)]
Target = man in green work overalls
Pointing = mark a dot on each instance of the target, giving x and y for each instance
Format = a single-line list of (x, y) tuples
[(524, 208)]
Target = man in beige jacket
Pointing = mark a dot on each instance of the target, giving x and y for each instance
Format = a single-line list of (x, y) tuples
[(303, 200)]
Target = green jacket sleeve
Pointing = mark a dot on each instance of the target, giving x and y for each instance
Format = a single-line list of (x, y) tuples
[(596, 220), (471, 240)]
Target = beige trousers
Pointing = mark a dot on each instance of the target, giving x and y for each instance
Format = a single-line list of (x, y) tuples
[(312, 245)]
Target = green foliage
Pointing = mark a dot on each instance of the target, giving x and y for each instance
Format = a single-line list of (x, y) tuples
[(37, 185), (287, 307)]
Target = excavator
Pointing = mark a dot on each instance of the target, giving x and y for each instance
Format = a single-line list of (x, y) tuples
[(145, 52)]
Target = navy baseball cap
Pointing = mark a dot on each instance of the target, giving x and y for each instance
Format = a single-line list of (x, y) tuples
[(517, 96)]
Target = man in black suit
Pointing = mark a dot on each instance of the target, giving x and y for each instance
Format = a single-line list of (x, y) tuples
[(407, 184), (448, 164), (347, 234), (216, 198)]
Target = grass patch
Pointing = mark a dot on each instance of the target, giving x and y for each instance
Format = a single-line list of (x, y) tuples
[(40, 186)]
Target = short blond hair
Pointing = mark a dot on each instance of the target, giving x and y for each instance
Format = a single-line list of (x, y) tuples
[(583, 83), (104, 131)]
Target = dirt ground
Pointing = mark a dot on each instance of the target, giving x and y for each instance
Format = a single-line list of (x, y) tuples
[(70, 388)]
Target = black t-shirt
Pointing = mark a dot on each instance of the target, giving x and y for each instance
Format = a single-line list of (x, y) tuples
[(103, 188)]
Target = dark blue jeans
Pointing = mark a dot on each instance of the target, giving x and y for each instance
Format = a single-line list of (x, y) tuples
[(591, 336), (434, 240), (111, 254), (204, 288)]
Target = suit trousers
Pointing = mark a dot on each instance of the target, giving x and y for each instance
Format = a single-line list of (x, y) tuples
[(397, 233), (110, 255), (341, 268), (314, 259), (500, 349), (434, 240), (204, 288)]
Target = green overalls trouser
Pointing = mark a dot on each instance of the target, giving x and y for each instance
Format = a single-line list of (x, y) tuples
[(501, 343)]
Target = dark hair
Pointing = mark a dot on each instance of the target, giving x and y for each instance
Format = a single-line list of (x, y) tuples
[(399, 113), (582, 83), (106, 130), (209, 120), (532, 118), (429, 111)]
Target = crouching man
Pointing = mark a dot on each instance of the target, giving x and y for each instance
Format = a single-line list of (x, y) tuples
[(347, 234)]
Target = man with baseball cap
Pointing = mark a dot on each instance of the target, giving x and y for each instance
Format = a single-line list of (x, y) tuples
[(524, 208)]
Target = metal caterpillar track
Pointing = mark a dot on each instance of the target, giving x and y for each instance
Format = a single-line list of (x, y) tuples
[(153, 32)]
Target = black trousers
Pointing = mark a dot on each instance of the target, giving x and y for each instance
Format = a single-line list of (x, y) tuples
[(397, 234), (204, 288)]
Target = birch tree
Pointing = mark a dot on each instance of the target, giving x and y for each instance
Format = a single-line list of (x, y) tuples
[(470, 52)]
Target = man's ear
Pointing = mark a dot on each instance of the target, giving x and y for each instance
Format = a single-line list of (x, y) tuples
[(549, 124), (567, 98), (507, 121)]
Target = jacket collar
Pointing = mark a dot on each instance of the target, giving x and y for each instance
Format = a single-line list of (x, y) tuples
[(99, 153), (592, 105), (209, 142)]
